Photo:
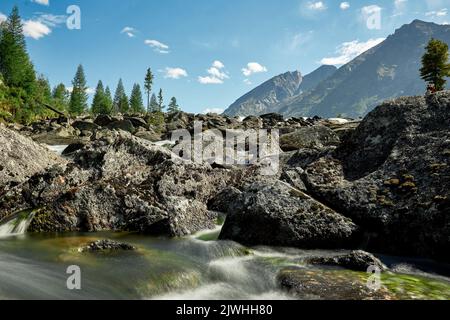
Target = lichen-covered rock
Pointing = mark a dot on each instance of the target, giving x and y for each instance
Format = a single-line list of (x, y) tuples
[(392, 177), (329, 285), (120, 182), (276, 214)]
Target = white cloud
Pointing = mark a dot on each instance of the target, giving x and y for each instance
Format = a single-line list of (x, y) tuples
[(174, 73), (253, 67), (213, 110), (218, 64), (344, 5), (216, 74), (439, 13), (247, 82), (350, 50), (43, 2), (319, 6), (157, 46), (35, 29), (3, 17)]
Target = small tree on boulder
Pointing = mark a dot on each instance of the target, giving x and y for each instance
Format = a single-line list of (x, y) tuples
[(435, 66)]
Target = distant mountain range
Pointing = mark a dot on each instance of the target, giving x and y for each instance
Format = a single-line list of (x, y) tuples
[(389, 70)]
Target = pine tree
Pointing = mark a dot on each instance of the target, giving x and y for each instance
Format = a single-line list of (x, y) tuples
[(15, 64), (100, 103), (148, 86), (173, 106), (78, 97), (60, 97), (136, 104), (154, 106), (120, 104), (44, 89), (108, 100), (160, 101), (435, 66)]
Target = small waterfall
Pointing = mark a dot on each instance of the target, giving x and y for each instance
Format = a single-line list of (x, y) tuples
[(17, 225)]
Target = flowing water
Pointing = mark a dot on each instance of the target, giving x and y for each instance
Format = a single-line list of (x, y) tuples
[(33, 266)]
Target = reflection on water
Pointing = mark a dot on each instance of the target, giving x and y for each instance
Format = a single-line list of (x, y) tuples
[(34, 267)]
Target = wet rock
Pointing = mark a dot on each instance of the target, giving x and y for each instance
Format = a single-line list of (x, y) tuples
[(329, 285), (355, 260), (106, 246), (276, 214), (316, 137)]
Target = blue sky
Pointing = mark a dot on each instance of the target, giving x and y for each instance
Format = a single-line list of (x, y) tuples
[(207, 53)]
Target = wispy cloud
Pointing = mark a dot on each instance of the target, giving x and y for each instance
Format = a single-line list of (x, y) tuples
[(51, 20), (439, 13), (350, 50), (174, 73), (216, 74), (129, 31), (157, 46), (42, 2), (253, 67)]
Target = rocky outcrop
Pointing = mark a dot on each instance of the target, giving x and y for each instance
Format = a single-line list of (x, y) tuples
[(355, 260), (392, 177), (119, 182), (21, 158), (276, 214)]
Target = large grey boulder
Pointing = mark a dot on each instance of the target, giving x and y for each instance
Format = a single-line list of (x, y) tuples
[(120, 182), (276, 214), (21, 158), (392, 177)]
